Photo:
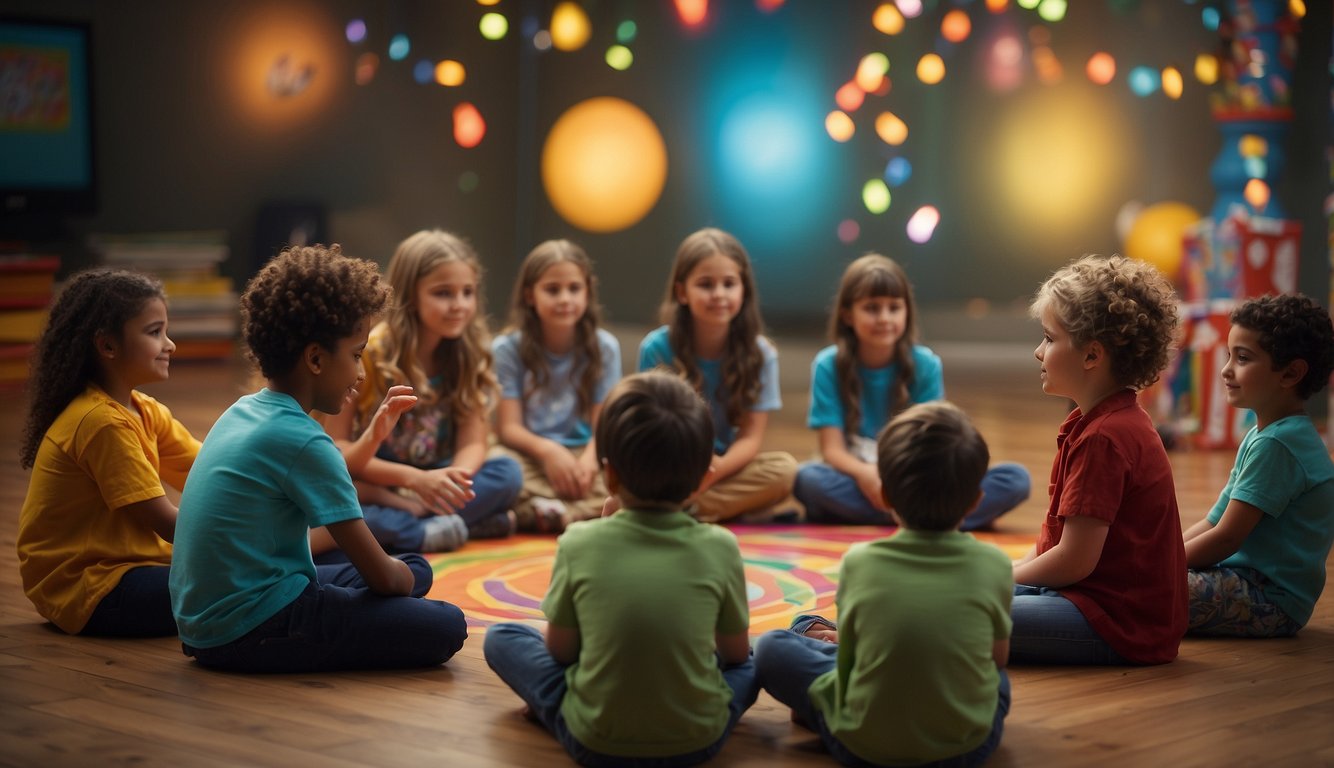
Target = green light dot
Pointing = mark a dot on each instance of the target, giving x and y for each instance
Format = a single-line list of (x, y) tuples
[(619, 57)]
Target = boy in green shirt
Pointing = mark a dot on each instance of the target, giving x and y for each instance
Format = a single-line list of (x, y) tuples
[(914, 675), (646, 657)]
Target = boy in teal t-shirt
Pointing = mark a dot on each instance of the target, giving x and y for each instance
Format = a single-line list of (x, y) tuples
[(646, 656), (913, 673), (1257, 560)]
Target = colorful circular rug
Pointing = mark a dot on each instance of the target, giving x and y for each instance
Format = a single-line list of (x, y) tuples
[(790, 569)]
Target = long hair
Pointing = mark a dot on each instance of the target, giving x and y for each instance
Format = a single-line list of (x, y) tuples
[(871, 276), (742, 359), (523, 317), (463, 364), (65, 358)]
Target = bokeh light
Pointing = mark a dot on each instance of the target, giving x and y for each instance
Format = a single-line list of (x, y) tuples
[(604, 164), (494, 26), (1210, 16), (619, 57), (848, 231), (1143, 81), (875, 196), (1047, 65), (849, 97), (1297, 8), (1004, 60), (1256, 194), (997, 6), (626, 32), (542, 40), (911, 9), (1252, 145), (768, 6), (469, 127), (1027, 5), (839, 126), (367, 64), (570, 28), (450, 73), (871, 71), (923, 224), (897, 171), (1173, 84), (356, 31), (1206, 68), (692, 12), (887, 19), (931, 69), (1101, 68), (423, 72), (1255, 167), (399, 47), (1052, 10), (488, 2), (891, 129), (956, 26)]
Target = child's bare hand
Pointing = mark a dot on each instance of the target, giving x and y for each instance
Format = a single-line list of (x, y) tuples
[(869, 484), (443, 491), (562, 469), (398, 400)]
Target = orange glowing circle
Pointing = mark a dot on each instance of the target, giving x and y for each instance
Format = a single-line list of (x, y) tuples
[(604, 164), (849, 97), (891, 129), (450, 73), (839, 126), (1101, 68), (469, 127), (956, 26), (931, 69), (1256, 193), (888, 19)]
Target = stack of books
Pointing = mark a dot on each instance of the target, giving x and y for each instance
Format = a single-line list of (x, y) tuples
[(26, 287), (201, 302)]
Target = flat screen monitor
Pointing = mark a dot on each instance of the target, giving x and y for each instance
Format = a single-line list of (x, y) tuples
[(46, 120)]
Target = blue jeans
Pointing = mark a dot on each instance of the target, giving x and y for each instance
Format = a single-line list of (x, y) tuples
[(788, 663), (339, 623), (139, 606), (518, 655), (496, 485), (831, 496), (1049, 629)]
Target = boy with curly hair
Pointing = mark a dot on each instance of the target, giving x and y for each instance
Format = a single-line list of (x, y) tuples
[(1105, 583), (246, 595), (1257, 560)]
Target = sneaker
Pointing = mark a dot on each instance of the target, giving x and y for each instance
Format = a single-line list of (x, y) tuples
[(494, 527), (443, 533), (551, 514)]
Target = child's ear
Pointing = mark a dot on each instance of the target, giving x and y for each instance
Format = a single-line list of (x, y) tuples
[(681, 293), (1292, 374), (313, 357), (1093, 355), (105, 344)]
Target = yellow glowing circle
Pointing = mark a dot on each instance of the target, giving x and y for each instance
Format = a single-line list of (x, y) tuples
[(1206, 68), (871, 71), (1173, 83), (493, 26), (839, 126), (604, 164), (450, 73), (875, 196), (1252, 145), (570, 28), (891, 129), (619, 57), (931, 69), (1155, 236), (887, 19)]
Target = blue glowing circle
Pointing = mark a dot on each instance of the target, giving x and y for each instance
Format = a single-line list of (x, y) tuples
[(423, 72), (1144, 80), (897, 171), (399, 47)]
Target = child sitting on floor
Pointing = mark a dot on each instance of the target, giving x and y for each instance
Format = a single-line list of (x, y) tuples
[(1105, 583), (245, 593), (646, 659), (1257, 560), (914, 675)]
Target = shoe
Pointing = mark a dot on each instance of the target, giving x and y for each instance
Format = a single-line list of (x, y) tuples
[(551, 515), (494, 527), (444, 533)]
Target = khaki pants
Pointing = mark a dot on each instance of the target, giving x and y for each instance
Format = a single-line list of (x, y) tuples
[(764, 482), (536, 485)]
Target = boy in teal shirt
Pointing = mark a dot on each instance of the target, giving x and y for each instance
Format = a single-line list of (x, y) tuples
[(646, 658), (1257, 560), (913, 674)]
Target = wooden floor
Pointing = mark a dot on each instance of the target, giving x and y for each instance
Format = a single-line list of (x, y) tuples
[(77, 701)]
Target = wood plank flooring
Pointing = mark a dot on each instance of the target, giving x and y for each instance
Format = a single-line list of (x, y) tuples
[(79, 701)]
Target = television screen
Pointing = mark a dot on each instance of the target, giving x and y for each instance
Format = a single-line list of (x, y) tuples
[(46, 120)]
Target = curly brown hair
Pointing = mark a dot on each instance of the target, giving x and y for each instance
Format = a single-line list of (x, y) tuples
[(64, 360), (743, 361), (1125, 305), (1292, 327), (307, 294)]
